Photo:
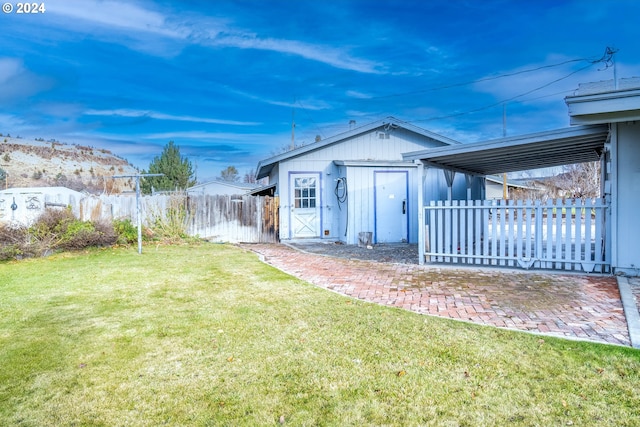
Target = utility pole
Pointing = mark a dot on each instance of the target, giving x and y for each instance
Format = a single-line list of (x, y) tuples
[(615, 70), (138, 209), (504, 135), (293, 128)]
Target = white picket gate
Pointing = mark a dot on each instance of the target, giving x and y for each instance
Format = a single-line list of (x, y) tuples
[(559, 234)]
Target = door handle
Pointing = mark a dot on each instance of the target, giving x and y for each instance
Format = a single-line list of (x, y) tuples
[(404, 207)]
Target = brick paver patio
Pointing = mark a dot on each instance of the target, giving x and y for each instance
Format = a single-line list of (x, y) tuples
[(570, 306)]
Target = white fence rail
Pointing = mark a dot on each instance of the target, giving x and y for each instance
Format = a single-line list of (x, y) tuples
[(560, 234)]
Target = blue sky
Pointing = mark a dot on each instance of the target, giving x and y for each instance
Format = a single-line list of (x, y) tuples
[(223, 79)]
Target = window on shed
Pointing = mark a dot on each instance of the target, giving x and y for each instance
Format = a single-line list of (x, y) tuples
[(304, 193)]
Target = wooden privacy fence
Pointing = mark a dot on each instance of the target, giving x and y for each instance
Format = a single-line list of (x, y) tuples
[(250, 219), (558, 234)]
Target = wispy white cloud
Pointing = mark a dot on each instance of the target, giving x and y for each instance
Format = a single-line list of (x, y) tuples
[(308, 104), (202, 30), (338, 58), (200, 135), (358, 95), (125, 16), (17, 82), (12, 123), (123, 112), (9, 68)]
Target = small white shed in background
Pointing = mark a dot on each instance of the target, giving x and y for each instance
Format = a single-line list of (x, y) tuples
[(221, 188), (22, 206)]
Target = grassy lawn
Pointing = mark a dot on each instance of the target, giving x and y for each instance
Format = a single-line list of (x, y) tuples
[(208, 335)]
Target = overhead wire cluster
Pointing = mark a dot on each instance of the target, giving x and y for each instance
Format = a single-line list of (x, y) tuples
[(607, 58)]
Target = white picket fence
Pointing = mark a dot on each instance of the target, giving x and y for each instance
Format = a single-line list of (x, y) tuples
[(558, 234)]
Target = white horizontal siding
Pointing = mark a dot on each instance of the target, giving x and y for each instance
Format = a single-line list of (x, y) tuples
[(370, 147)]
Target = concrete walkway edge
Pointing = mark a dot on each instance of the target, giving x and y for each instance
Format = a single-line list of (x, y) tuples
[(630, 311)]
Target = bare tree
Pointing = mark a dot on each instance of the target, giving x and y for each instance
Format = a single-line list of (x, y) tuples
[(230, 174), (250, 177), (580, 180)]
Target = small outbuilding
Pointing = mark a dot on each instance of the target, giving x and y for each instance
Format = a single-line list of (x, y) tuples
[(357, 183), (221, 188), (22, 206)]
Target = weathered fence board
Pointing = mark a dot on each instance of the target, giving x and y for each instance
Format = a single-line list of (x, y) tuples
[(251, 219), (558, 234), (231, 218), (248, 219)]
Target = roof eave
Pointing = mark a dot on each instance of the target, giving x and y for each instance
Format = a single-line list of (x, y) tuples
[(606, 107), (265, 166)]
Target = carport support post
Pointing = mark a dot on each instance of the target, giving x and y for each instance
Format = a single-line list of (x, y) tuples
[(449, 175), (469, 180), (421, 221)]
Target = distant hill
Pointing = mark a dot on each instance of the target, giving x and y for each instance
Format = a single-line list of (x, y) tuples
[(39, 163)]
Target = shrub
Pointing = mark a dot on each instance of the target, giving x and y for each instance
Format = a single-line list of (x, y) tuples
[(12, 242), (8, 252), (62, 230), (126, 232), (82, 234), (54, 229), (172, 223)]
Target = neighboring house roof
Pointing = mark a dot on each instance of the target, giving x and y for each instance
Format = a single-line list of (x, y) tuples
[(265, 166), (576, 144), (510, 183), (267, 190), (47, 190), (238, 185)]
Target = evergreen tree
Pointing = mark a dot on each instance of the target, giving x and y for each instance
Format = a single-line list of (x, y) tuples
[(177, 170)]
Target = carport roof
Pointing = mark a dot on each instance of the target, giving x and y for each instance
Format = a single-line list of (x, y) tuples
[(576, 144)]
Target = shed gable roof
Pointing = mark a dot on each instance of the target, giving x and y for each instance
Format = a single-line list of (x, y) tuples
[(265, 166)]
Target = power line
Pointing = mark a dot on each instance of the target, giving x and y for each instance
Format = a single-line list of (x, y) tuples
[(606, 58), (499, 76), (486, 107)]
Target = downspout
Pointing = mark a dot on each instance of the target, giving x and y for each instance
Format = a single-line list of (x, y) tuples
[(421, 221), (613, 209)]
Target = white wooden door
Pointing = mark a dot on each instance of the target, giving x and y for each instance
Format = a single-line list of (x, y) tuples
[(391, 209), (305, 206)]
